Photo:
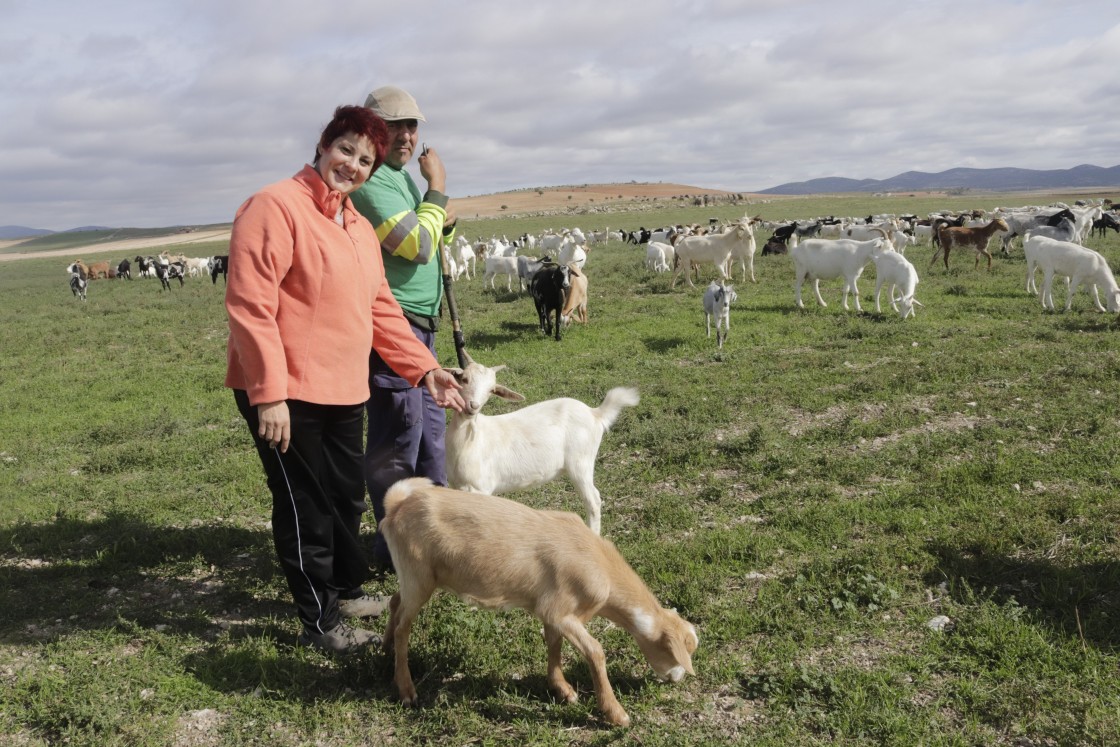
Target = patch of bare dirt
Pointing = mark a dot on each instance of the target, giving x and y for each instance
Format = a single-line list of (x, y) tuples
[(547, 199), (127, 246)]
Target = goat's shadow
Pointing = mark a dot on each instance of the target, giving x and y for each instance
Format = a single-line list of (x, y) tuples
[(1080, 602)]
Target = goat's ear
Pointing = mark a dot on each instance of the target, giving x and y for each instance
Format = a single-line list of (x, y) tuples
[(507, 393), (457, 373)]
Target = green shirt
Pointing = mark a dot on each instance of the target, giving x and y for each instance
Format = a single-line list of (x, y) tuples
[(410, 228)]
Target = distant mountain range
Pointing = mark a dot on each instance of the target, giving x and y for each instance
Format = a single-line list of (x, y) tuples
[(992, 180), (7, 233)]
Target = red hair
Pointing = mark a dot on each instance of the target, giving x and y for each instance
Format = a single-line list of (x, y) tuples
[(360, 121)]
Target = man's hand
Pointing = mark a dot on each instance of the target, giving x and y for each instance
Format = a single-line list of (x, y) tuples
[(431, 168)]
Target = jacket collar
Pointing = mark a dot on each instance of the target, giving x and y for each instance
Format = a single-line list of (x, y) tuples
[(327, 200)]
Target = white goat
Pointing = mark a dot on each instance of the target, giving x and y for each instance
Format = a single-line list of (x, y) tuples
[(716, 249), (655, 257), (895, 271), (744, 252), (717, 303), (828, 259), (500, 266), (1082, 266), (530, 446), (464, 257), (573, 252), (527, 267), (598, 237)]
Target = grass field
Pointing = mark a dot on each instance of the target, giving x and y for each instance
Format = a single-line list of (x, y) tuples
[(811, 497)]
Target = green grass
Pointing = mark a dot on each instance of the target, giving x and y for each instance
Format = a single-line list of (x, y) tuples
[(810, 496)]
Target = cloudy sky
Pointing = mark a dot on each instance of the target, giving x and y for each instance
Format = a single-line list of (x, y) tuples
[(145, 113)]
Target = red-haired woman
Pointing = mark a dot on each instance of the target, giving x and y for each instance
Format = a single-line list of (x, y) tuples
[(306, 299)]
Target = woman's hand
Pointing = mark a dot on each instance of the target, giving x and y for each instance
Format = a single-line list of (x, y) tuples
[(275, 424), (444, 389)]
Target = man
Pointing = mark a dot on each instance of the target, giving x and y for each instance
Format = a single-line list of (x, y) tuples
[(406, 427)]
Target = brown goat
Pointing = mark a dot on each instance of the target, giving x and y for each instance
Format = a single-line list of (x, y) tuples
[(98, 270), (977, 238)]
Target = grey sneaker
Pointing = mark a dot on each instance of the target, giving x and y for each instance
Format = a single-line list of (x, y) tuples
[(367, 605), (342, 639)]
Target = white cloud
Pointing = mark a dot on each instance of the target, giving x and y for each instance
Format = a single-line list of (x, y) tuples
[(147, 113)]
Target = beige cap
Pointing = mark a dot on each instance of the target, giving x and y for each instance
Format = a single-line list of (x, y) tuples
[(392, 104)]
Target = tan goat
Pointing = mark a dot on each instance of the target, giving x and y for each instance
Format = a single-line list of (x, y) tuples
[(575, 302), (977, 238), (498, 554)]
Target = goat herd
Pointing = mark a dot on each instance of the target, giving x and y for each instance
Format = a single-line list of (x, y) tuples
[(827, 248), (165, 268), (830, 248)]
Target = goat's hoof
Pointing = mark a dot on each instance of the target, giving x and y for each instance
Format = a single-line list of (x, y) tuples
[(617, 717), (565, 693)]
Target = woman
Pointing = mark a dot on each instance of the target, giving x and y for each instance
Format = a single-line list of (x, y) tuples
[(306, 297)]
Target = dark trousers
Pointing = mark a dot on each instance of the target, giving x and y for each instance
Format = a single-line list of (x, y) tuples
[(317, 502), (405, 436)]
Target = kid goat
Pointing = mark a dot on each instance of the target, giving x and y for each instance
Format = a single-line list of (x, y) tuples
[(717, 303), (530, 446), (976, 238)]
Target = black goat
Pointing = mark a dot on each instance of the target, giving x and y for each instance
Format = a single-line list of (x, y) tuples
[(1105, 222), (549, 287), (219, 265), (782, 233), (124, 269), (774, 245)]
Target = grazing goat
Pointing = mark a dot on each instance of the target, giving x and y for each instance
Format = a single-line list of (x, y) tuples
[(575, 303), (1105, 222), (714, 248), (828, 259), (124, 269), (530, 446), (548, 288), (717, 303), (895, 271), (655, 257), (977, 238), (1082, 266), (499, 554)]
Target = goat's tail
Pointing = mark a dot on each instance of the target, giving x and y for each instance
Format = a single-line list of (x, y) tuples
[(401, 491), (616, 399)]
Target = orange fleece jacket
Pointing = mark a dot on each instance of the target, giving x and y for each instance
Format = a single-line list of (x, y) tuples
[(307, 298)]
